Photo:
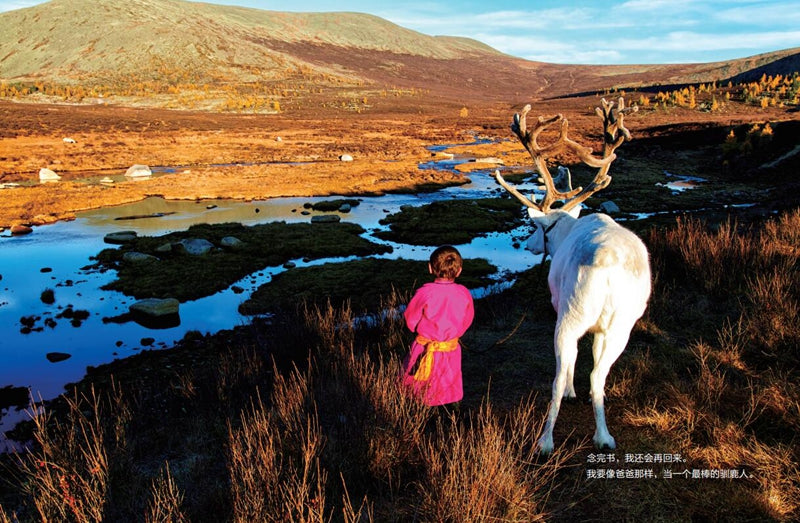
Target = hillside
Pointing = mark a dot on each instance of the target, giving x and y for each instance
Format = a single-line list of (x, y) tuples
[(83, 38), (179, 42)]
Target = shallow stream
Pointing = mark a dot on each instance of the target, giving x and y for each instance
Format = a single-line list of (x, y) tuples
[(56, 257)]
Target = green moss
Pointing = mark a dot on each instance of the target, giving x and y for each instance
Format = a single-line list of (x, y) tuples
[(186, 277), (362, 282), (452, 222)]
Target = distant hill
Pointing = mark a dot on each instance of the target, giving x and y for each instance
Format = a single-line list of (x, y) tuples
[(175, 40), (76, 38)]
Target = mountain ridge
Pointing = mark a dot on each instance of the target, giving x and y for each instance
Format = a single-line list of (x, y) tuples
[(202, 43), (78, 37)]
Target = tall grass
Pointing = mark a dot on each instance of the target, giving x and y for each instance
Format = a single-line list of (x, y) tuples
[(67, 474), (343, 427), (488, 469), (302, 419), (732, 398), (750, 272), (165, 504)]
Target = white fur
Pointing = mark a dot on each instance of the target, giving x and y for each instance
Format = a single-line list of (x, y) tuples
[(600, 283)]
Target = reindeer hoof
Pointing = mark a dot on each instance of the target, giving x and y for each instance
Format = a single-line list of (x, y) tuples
[(545, 446), (602, 443)]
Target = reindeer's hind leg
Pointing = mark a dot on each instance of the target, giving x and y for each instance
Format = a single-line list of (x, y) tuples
[(606, 349), (566, 349), (569, 390)]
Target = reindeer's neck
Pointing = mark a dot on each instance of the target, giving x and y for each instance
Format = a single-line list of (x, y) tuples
[(558, 229)]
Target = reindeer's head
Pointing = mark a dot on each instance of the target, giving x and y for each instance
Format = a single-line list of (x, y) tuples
[(543, 215)]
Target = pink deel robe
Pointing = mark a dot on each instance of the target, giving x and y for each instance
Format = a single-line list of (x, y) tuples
[(441, 310)]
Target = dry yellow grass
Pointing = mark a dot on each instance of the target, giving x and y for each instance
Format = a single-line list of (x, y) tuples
[(326, 434)]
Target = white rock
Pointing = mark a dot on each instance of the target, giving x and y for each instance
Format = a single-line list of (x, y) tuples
[(346, 158), (69, 140), (491, 160), (46, 175), (138, 171), (609, 207)]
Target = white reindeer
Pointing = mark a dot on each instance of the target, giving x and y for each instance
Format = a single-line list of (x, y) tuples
[(599, 274)]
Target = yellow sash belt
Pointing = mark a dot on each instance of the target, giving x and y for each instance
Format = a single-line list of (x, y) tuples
[(423, 372)]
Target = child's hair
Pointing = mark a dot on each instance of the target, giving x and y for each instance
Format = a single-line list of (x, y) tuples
[(446, 262)]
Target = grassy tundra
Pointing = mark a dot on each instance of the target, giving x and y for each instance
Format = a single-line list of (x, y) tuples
[(301, 419)]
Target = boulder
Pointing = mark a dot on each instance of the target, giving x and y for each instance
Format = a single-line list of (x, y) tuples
[(55, 357), (345, 207), (164, 248), (120, 237), (46, 175), (68, 140), (325, 218), (609, 207), (289, 265), (196, 246), (154, 313), (155, 307), (231, 242), (138, 257), (490, 160), (346, 158), (19, 230), (106, 180), (138, 171)]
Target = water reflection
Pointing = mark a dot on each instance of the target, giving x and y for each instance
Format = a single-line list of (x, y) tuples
[(680, 182), (58, 256)]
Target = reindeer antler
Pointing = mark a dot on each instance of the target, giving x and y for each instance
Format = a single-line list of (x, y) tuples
[(612, 126)]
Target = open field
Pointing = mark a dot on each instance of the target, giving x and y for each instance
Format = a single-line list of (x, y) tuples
[(299, 418), (258, 156), (214, 156)]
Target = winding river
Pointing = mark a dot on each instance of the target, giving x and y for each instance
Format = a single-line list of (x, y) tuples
[(57, 256)]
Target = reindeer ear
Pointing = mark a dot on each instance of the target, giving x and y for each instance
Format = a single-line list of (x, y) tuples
[(535, 213)]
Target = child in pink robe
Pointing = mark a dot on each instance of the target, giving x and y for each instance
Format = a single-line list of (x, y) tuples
[(440, 313)]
